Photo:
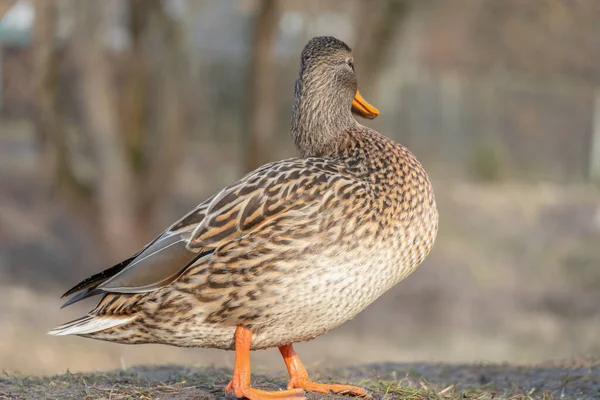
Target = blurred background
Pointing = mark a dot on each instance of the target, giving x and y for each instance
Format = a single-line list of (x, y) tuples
[(117, 116)]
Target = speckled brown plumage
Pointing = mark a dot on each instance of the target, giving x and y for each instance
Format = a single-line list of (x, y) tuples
[(293, 249)]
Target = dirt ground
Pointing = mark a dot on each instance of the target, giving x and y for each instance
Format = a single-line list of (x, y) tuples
[(565, 380)]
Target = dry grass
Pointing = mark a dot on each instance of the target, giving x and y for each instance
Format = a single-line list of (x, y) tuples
[(384, 381)]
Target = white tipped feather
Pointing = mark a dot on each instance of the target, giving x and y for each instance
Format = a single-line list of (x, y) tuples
[(88, 324)]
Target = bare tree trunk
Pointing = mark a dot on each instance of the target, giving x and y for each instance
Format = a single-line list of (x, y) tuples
[(171, 130), (594, 147), (114, 181), (53, 142), (261, 88), (134, 94), (377, 23), (49, 131), (134, 89)]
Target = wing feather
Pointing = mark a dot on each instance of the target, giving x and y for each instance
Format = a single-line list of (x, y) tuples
[(286, 190)]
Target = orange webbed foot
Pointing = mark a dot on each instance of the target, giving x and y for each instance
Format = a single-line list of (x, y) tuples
[(250, 393), (299, 377), (327, 388)]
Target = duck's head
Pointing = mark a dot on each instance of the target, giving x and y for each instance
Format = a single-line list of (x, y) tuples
[(326, 96)]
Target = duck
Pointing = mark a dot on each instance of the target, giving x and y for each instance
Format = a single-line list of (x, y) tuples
[(287, 253)]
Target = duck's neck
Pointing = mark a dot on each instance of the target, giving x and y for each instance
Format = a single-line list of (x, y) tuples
[(321, 118)]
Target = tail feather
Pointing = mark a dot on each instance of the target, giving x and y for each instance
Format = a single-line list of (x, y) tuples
[(89, 324)]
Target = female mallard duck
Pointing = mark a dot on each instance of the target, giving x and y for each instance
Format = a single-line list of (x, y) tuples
[(289, 252)]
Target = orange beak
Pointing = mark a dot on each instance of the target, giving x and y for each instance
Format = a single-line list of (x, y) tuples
[(362, 108)]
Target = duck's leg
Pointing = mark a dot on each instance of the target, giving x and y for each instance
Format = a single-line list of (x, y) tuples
[(299, 376), (240, 384)]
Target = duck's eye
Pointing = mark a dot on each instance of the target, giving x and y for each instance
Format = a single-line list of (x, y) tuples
[(350, 63)]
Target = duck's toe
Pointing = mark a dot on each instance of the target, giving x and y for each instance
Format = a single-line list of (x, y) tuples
[(327, 388), (256, 394)]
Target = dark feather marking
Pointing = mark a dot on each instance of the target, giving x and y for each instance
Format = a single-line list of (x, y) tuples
[(251, 207), (229, 198), (251, 223), (218, 236), (247, 189), (223, 219), (192, 218)]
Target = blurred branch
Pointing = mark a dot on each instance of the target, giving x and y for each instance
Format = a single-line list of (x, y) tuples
[(261, 88)]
